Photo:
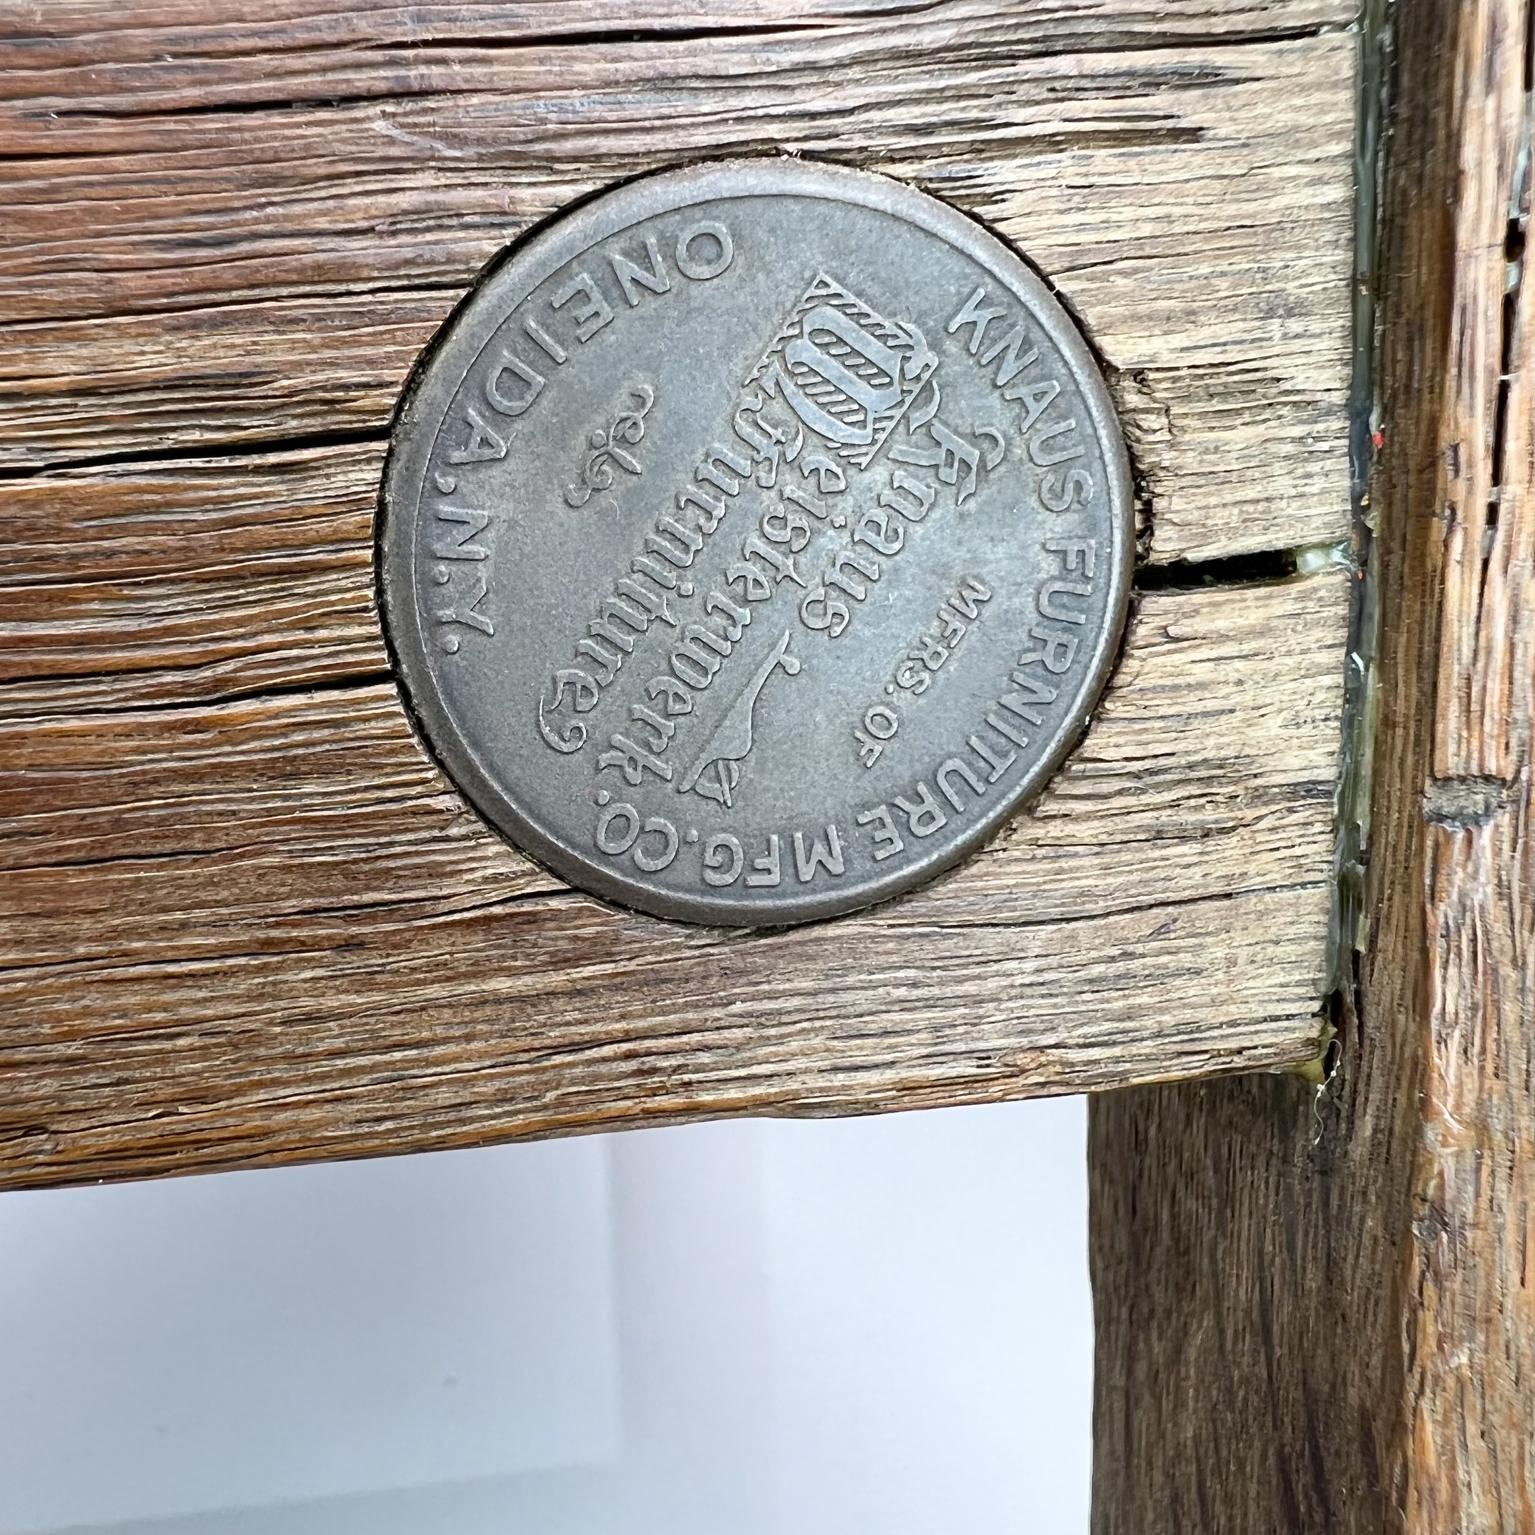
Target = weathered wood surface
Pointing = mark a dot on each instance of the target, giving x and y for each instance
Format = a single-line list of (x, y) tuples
[(1328, 1324), (267, 929), (194, 266), (244, 919)]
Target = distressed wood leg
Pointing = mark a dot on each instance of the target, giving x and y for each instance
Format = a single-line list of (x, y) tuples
[(1325, 1321)]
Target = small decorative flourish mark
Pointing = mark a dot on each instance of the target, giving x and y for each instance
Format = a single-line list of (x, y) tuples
[(610, 445)]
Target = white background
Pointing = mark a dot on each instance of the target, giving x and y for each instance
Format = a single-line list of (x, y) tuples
[(742, 1329)]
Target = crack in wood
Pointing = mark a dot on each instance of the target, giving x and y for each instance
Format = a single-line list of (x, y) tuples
[(1262, 567), (202, 452)]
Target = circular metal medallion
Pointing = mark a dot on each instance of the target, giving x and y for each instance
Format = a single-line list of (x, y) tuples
[(755, 540)]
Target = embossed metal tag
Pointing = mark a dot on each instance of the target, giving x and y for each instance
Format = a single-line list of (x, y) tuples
[(755, 540)]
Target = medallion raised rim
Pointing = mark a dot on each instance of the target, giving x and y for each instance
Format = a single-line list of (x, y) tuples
[(471, 326)]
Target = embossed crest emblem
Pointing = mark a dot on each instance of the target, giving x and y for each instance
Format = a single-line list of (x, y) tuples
[(755, 542), (847, 372)]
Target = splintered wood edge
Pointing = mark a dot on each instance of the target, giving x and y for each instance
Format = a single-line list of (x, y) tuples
[(268, 930)]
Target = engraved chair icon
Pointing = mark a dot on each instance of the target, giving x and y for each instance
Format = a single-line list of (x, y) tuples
[(730, 742)]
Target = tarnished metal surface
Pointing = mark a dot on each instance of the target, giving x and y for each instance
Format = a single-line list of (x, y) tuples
[(755, 541)]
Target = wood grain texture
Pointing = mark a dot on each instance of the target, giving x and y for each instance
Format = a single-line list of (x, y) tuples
[(69, 33), (174, 582), (268, 929), (244, 919), (1353, 1294), (1186, 187)]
